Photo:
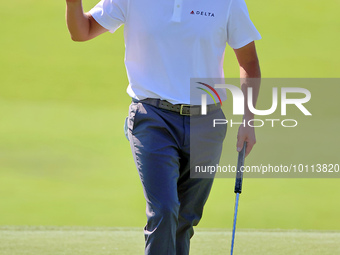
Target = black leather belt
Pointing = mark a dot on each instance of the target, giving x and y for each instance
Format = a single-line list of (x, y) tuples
[(182, 109)]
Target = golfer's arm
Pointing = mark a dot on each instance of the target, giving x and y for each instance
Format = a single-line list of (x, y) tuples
[(250, 74), (82, 26)]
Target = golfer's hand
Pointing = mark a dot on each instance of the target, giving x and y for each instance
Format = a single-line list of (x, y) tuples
[(246, 134)]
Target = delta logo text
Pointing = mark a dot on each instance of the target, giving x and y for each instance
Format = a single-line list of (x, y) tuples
[(239, 105), (203, 13)]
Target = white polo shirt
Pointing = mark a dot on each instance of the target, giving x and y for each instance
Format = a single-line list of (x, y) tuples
[(170, 41)]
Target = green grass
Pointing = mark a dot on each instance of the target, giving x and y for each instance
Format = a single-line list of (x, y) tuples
[(126, 241), (65, 161)]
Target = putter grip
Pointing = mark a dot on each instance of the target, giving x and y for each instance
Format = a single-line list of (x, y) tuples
[(239, 173)]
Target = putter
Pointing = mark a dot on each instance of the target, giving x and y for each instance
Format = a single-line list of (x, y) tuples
[(238, 190)]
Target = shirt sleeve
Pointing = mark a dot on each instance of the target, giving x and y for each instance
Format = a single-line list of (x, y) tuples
[(240, 29), (110, 14)]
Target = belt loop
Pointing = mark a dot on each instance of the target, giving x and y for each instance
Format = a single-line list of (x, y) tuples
[(158, 103), (181, 110)]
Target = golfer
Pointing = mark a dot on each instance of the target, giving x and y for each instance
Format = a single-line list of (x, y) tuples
[(168, 43)]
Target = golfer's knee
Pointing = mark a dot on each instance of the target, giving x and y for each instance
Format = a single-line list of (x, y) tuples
[(166, 212)]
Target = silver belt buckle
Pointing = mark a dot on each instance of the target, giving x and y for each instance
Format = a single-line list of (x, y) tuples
[(181, 110)]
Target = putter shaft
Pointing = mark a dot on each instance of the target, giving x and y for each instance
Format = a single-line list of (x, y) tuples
[(238, 190), (234, 225)]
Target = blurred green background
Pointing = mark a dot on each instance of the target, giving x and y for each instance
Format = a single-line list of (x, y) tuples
[(64, 159)]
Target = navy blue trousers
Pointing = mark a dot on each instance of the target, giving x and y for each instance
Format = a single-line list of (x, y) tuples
[(160, 142)]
